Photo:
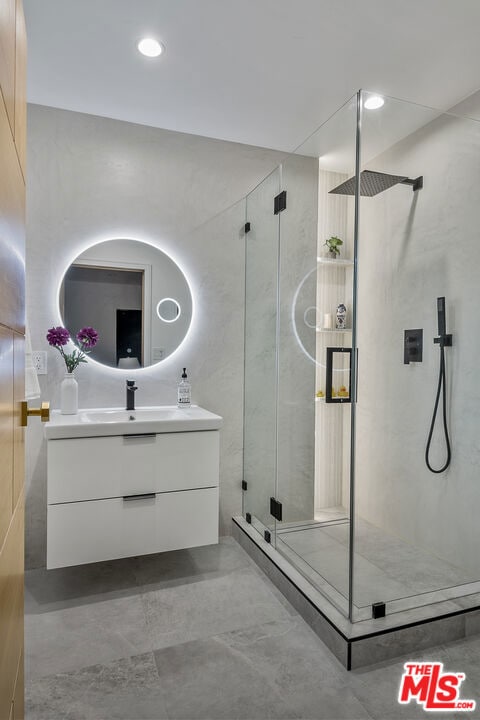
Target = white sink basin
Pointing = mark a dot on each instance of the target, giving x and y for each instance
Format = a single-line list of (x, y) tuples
[(94, 422), (140, 415)]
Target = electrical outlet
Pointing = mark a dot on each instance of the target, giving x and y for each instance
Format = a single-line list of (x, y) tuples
[(39, 359)]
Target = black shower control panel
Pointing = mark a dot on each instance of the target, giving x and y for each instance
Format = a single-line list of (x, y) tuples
[(413, 346)]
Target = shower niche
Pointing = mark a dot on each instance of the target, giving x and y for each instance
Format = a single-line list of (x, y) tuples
[(336, 492)]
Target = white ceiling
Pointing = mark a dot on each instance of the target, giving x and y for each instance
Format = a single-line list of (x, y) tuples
[(262, 72)]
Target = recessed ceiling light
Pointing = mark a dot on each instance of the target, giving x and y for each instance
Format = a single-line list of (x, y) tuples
[(150, 47), (374, 102)]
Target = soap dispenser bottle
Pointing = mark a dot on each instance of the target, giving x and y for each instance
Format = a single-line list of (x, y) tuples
[(184, 391)]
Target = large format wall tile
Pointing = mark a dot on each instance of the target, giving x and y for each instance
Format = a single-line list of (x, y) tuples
[(92, 178)]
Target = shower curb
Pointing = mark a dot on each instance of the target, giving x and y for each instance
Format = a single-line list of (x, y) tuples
[(357, 644)]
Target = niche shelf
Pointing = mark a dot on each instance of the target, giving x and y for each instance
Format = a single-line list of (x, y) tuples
[(341, 262), (322, 399), (333, 330)]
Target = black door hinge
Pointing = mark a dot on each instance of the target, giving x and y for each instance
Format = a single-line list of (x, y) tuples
[(280, 202), (267, 536), (248, 517), (247, 228), (276, 509), (244, 485)]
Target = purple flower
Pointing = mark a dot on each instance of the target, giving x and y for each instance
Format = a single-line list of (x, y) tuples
[(58, 336), (87, 337)]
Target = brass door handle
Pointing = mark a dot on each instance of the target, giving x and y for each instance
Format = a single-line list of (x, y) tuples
[(43, 412)]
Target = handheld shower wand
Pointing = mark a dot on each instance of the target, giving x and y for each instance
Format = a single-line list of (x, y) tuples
[(443, 340), (441, 319)]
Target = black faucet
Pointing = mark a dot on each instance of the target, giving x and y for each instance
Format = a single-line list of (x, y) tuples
[(131, 387)]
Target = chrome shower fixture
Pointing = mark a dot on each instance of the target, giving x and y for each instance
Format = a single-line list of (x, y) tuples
[(372, 183)]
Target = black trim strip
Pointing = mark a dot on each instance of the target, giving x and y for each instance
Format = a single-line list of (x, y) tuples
[(416, 623)]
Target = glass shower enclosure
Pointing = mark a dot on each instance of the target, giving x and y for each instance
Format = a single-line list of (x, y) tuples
[(343, 357)]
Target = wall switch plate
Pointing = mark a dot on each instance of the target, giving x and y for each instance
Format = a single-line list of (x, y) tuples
[(39, 359)]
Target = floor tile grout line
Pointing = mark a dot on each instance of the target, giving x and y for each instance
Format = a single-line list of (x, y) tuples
[(162, 689)]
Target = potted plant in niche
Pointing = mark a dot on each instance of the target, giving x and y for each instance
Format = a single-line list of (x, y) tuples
[(58, 337), (333, 243)]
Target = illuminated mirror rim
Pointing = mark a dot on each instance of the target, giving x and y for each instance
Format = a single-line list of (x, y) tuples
[(81, 249)]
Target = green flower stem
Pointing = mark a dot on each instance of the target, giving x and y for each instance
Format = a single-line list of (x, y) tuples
[(73, 360)]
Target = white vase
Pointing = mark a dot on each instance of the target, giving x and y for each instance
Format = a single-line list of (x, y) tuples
[(69, 395)]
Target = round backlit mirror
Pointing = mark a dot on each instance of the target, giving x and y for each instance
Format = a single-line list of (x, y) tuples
[(110, 286)]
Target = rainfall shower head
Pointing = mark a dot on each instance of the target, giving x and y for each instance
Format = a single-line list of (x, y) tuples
[(372, 183)]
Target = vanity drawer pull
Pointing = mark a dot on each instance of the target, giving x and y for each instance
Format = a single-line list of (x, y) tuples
[(139, 435), (142, 496)]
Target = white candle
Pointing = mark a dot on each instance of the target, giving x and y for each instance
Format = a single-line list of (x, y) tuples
[(328, 321)]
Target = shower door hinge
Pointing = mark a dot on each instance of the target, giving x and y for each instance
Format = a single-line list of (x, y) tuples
[(248, 518), (244, 485), (276, 509), (378, 610), (267, 536), (247, 227), (280, 202)]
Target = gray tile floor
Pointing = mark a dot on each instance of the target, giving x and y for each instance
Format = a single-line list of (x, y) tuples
[(200, 635), (386, 567)]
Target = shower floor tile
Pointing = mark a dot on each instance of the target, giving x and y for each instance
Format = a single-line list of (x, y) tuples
[(386, 568)]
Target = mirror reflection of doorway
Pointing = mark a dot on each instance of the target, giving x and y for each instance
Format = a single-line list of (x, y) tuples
[(129, 338), (111, 300)]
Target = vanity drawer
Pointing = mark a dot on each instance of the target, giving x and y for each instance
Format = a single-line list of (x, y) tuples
[(86, 532), (109, 467)]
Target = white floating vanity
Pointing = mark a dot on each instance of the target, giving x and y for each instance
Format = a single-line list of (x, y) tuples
[(126, 483)]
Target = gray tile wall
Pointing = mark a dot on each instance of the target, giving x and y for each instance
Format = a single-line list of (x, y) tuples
[(92, 178)]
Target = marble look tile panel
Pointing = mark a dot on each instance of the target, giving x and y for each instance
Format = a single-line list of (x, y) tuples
[(175, 567), (207, 679), (275, 565), (338, 599), (47, 590), (308, 540), (78, 636), (318, 622), (276, 670), (120, 690), (207, 607)]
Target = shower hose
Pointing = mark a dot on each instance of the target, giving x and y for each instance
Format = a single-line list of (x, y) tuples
[(442, 384)]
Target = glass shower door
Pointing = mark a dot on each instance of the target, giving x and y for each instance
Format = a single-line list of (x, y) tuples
[(314, 441), (416, 532), (260, 412)]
